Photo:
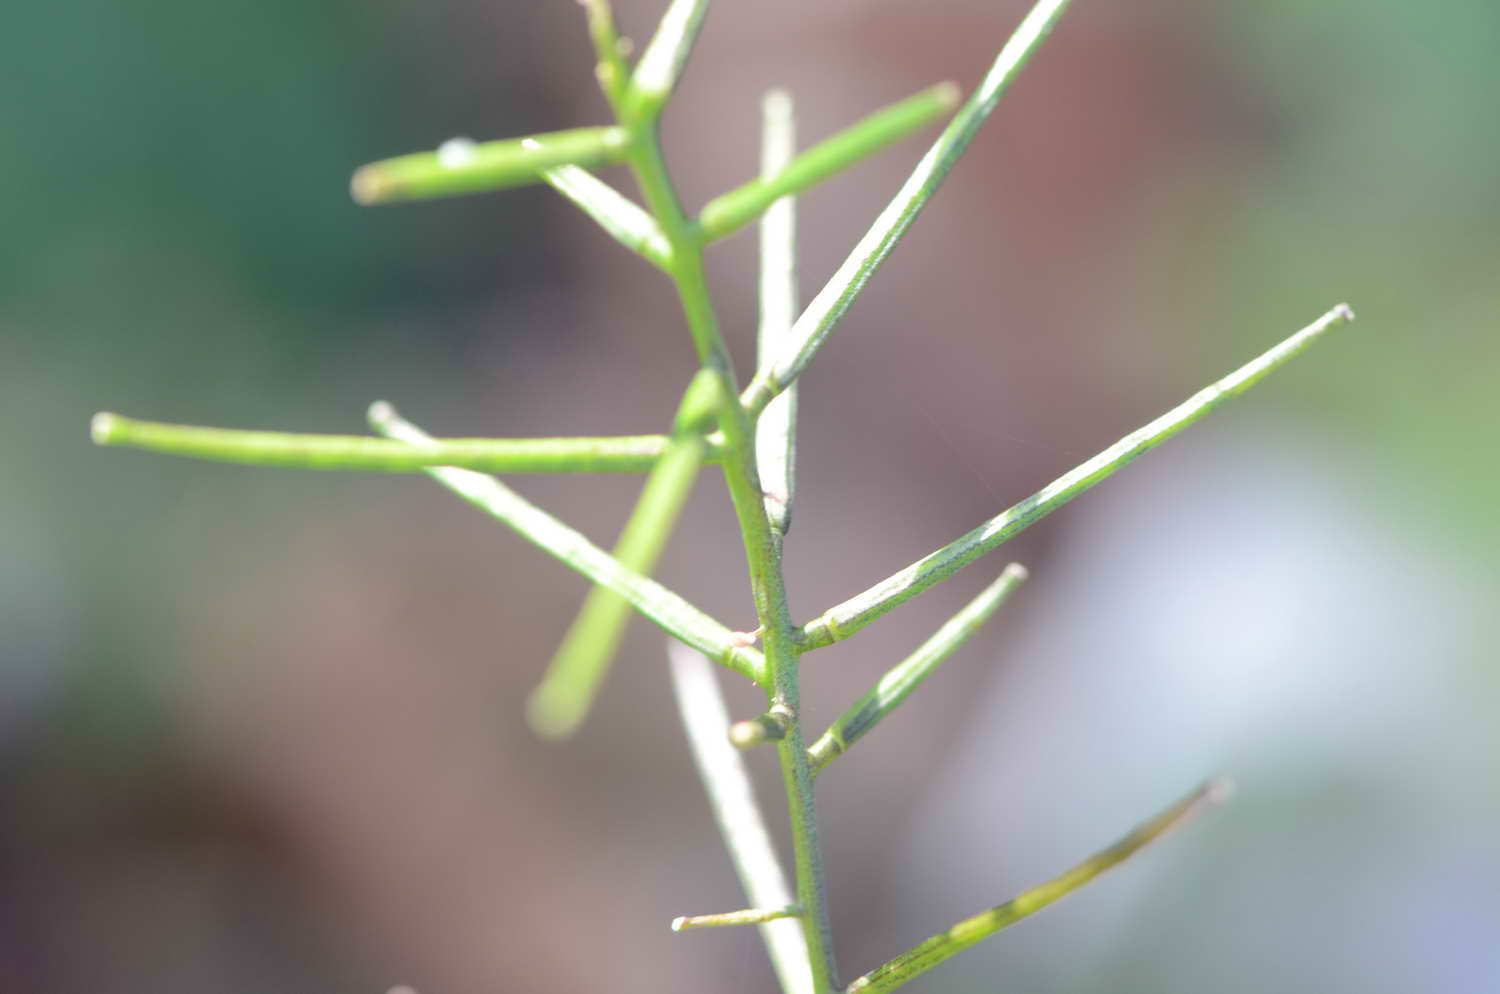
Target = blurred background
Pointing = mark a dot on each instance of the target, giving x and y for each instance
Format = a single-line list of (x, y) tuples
[(262, 730)]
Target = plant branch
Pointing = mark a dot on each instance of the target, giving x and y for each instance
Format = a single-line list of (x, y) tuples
[(662, 63), (732, 798), (849, 617), (923, 957), (776, 431), (461, 166), (619, 216), (835, 299), (762, 548), (667, 609), (360, 453), (729, 212), (898, 682), (611, 71), (562, 701), (751, 916)]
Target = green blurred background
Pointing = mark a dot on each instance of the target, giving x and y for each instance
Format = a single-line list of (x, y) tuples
[(261, 731)]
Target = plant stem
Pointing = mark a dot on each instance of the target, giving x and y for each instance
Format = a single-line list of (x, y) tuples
[(667, 609), (732, 798), (617, 215), (903, 678), (776, 431), (559, 705), (835, 299), (750, 916), (926, 955), (461, 166), (562, 701), (663, 60), (611, 71), (849, 617), (762, 547), (729, 212), (360, 453)]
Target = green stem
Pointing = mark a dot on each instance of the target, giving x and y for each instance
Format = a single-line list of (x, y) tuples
[(611, 71), (662, 63), (903, 678), (750, 916), (835, 299), (461, 166), (667, 609), (731, 795), (625, 222), (567, 691), (563, 699), (729, 212), (926, 955), (359, 453), (849, 617), (776, 431), (762, 547)]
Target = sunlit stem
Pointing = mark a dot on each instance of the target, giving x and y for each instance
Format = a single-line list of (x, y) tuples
[(835, 299), (667, 609), (732, 797), (923, 957), (567, 691), (663, 60), (612, 72), (360, 453), (619, 216), (849, 617), (750, 916), (462, 166), (776, 431), (899, 682), (761, 542), (731, 211)]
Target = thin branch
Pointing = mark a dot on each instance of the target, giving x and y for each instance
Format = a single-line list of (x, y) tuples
[(729, 212), (665, 608), (849, 617), (461, 166), (617, 214), (835, 299), (661, 64), (923, 957), (898, 683), (360, 453), (761, 542), (750, 916), (732, 798), (776, 431), (612, 72), (562, 701)]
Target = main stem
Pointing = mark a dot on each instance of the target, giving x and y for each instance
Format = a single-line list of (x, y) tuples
[(762, 545)]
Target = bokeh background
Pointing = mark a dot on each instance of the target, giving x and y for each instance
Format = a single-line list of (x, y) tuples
[(262, 731)]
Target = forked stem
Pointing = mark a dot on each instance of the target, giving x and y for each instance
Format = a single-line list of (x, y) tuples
[(655, 76)]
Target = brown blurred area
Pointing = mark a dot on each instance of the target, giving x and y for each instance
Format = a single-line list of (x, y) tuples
[(264, 731)]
